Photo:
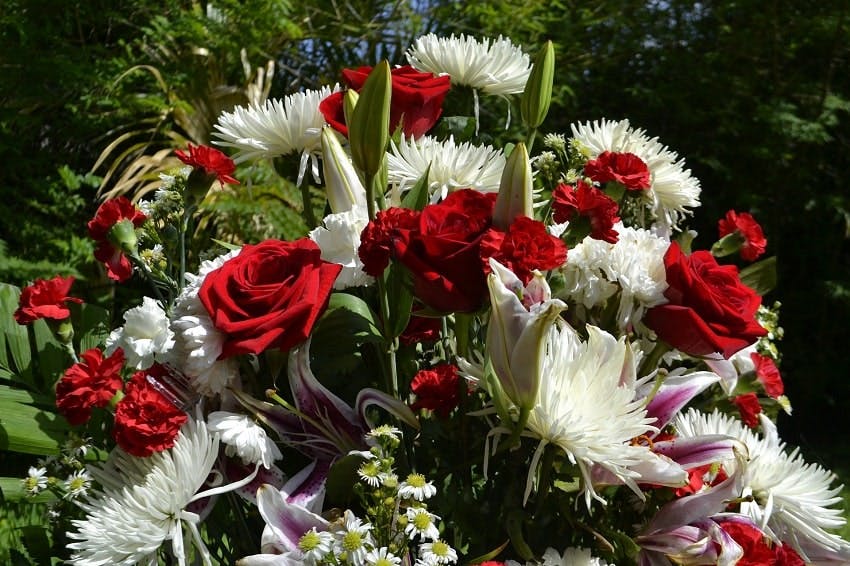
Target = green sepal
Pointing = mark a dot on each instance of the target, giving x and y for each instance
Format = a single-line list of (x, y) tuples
[(760, 276), (728, 244), (417, 197), (399, 285)]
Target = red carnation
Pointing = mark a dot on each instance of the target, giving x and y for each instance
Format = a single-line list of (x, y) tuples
[(758, 549), (749, 407), (92, 382), (212, 161), (376, 239), (145, 420), (587, 201), (709, 309), (421, 329), (744, 224), (416, 101), (787, 556), (45, 299), (768, 375), (526, 246), (436, 389), (111, 243), (625, 168)]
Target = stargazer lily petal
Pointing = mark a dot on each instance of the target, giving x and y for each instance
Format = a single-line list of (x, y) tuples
[(286, 521), (699, 451), (675, 393)]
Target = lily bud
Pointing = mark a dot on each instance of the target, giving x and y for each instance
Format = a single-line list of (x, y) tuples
[(515, 189), (516, 335), (368, 130), (343, 186), (538, 88), (349, 101), (122, 235)]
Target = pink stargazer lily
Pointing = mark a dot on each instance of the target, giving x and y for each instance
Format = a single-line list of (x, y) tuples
[(321, 425)]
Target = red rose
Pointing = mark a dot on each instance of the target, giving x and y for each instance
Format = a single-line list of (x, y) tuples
[(758, 550), (749, 407), (743, 223), (710, 310), (211, 160), (436, 389), (587, 201), (45, 299), (109, 214), (269, 296), (768, 375), (625, 168), (525, 246), (145, 420), (376, 240), (92, 382), (416, 103), (443, 252)]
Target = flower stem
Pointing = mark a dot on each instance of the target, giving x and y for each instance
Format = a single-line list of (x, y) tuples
[(651, 361), (309, 215)]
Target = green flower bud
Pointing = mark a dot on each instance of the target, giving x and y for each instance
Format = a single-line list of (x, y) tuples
[(349, 101), (368, 129), (538, 89), (728, 244), (515, 189), (342, 184), (122, 235)]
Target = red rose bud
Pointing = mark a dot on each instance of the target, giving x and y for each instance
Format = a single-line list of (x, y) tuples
[(45, 299), (626, 169), (709, 309), (436, 389), (269, 296), (740, 232)]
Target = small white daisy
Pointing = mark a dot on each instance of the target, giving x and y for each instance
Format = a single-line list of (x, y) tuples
[(142, 502), (35, 481), (339, 239), (791, 499), (382, 557), (77, 484), (384, 431), (370, 473), (353, 539), (570, 557), (144, 336), (673, 189), (437, 552), (315, 545), (244, 438), (416, 487), (492, 66), (275, 128), (421, 523), (452, 166)]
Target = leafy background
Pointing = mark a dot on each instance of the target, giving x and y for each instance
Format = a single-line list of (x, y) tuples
[(95, 94)]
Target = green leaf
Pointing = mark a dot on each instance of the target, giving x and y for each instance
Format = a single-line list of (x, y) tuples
[(400, 297), (92, 325), (12, 489), (760, 276), (417, 197), (37, 544), (15, 336), (26, 428), (351, 315), (341, 479)]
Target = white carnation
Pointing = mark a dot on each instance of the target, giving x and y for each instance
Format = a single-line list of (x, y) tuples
[(144, 336)]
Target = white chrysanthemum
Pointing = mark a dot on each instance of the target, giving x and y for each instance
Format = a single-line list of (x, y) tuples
[(586, 406), (452, 166), (198, 343), (143, 502), (144, 336), (244, 438), (277, 127), (492, 66), (416, 487), (339, 240), (421, 523), (792, 499), (673, 190)]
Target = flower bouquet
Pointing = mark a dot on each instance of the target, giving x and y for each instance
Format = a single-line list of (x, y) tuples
[(477, 355)]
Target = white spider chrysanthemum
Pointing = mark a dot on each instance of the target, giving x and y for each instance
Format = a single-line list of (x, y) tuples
[(673, 190), (586, 406), (244, 438), (143, 502), (791, 500), (339, 240), (277, 127), (452, 166), (492, 66), (144, 336), (570, 557), (197, 342)]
